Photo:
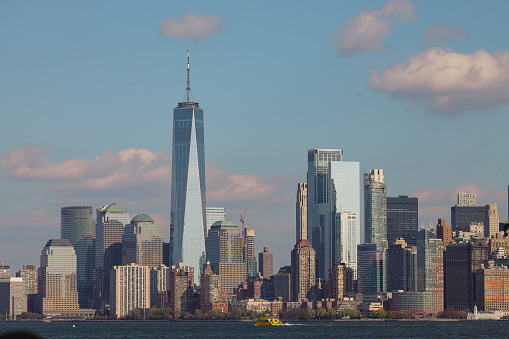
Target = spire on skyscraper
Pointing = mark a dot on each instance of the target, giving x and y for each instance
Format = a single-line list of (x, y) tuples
[(188, 88)]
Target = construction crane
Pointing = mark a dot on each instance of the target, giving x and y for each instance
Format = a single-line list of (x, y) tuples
[(243, 216)]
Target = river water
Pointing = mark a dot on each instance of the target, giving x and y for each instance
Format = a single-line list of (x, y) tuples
[(225, 329)]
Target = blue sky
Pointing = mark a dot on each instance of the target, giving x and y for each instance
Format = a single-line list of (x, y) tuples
[(418, 88)]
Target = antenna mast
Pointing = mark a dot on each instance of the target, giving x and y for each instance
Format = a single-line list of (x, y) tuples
[(188, 89)]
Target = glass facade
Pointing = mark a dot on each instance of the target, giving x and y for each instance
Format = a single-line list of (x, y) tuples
[(345, 208), (402, 219), (77, 225), (188, 202), (375, 211), (319, 215)]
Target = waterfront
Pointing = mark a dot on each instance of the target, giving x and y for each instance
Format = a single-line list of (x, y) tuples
[(350, 329)]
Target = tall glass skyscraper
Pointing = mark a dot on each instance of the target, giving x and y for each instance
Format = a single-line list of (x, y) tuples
[(188, 220), (345, 208), (78, 226), (319, 215)]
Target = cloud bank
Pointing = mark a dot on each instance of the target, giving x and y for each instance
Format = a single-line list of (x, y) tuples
[(448, 83), (191, 26), (366, 31)]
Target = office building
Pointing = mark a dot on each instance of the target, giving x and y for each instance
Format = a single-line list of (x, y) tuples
[(467, 199), (371, 274), (492, 288), (444, 232), (77, 225), (463, 216), (319, 214), (303, 274), (461, 264), (282, 284), (402, 219), (491, 221), (58, 290), (13, 299), (401, 267), (130, 289), (344, 197), (249, 251), (265, 260), (210, 289), (142, 242), (375, 209), (5, 271), (215, 214), (111, 220), (338, 281), (29, 275), (188, 224), (430, 267), (224, 252), (301, 210)]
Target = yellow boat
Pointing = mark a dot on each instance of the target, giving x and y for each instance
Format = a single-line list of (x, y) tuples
[(268, 321)]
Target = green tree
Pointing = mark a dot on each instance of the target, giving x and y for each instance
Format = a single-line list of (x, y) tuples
[(198, 314), (237, 313)]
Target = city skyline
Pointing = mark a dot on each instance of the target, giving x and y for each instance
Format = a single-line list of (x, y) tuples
[(86, 103)]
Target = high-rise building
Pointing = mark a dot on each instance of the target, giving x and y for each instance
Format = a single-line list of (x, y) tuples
[(224, 252), (461, 263), (375, 209), (130, 289), (265, 260), (338, 281), (215, 214), (467, 199), (492, 288), (491, 221), (303, 274), (401, 267), (159, 283), (444, 232), (13, 299), (402, 219), (111, 220), (58, 291), (282, 284), (319, 214), (77, 225), (301, 210), (142, 242), (340, 246), (29, 275), (423, 238), (249, 251), (5, 271), (181, 288), (210, 289), (188, 217), (430, 267), (463, 216), (371, 274)]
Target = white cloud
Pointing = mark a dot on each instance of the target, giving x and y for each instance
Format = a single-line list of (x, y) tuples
[(366, 31), (191, 26), (448, 83)]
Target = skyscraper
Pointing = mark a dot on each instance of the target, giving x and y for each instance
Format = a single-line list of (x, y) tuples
[(402, 219), (188, 219), (224, 252), (77, 225), (303, 275), (265, 260), (375, 209), (249, 251), (319, 214), (302, 211), (401, 267), (344, 197), (491, 221), (57, 278), (444, 232), (111, 220), (215, 214), (370, 269), (142, 243), (130, 288)]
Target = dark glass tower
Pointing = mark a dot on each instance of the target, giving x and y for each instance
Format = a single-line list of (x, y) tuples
[(188, 206), (402, 219)]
